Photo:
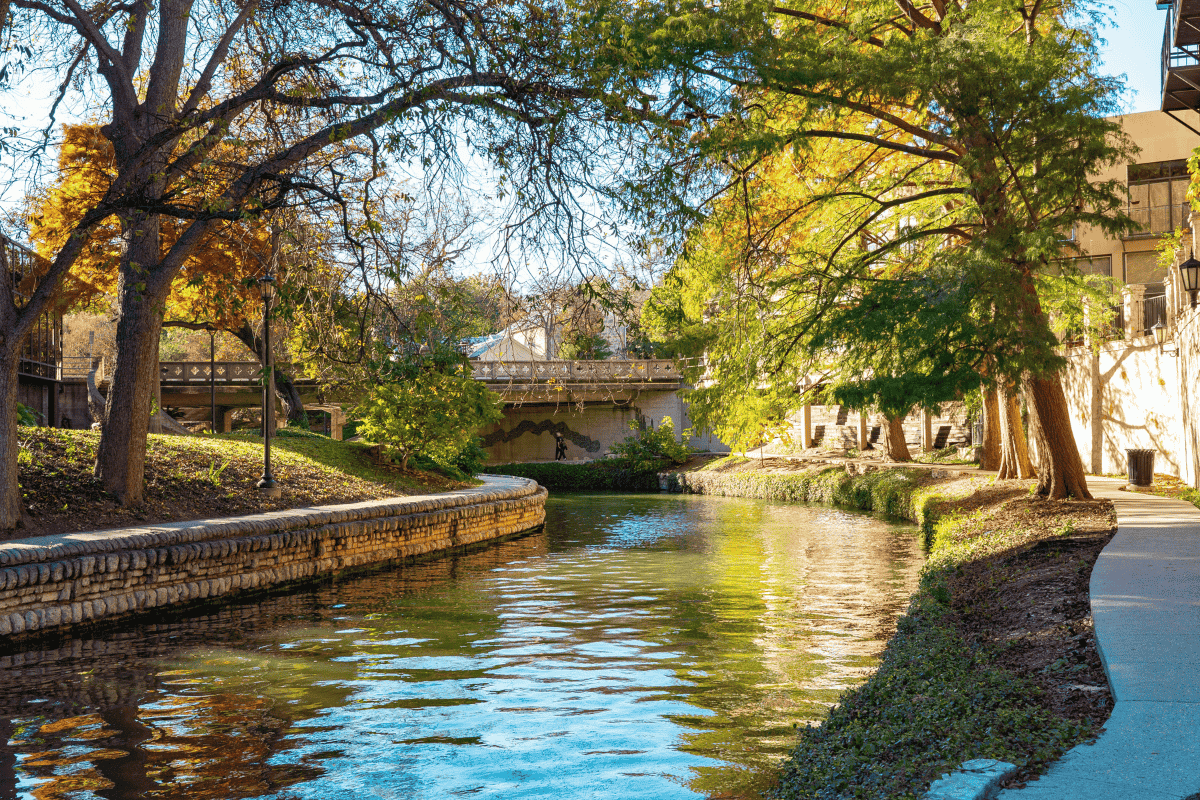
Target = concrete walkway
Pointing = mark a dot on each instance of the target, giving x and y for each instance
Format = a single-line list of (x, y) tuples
[(1145, 592)]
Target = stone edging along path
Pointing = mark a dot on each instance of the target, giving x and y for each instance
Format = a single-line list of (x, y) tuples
[(53, 582)]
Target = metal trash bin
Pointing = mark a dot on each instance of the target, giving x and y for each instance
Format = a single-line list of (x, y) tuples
[(1141, 466)]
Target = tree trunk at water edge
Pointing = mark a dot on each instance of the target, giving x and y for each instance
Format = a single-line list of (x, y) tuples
[(1014, 446), (1060, 469), (990, 452), (895, 448)]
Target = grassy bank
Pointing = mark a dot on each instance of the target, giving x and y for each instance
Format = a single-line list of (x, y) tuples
[(995, 657), (196, 477)]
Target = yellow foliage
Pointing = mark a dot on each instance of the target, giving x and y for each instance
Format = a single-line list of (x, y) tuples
[(215, 285)]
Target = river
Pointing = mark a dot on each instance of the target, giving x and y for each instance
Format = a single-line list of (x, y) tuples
[(641, 646)]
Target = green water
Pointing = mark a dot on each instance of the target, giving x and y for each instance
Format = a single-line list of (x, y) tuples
[(645, 646)]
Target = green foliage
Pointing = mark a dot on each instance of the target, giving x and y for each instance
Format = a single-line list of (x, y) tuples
[(433, 414), (583, 345), (898, 179), (214, 472), (652, 449), (26, 416), (471, 457), (604, 475)]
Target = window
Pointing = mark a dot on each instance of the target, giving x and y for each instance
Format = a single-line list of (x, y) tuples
[(1093, 265), (1143, 268), (1158, 197)]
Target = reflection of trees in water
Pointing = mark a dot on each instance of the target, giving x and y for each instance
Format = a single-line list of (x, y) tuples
[(149, 731), (755, 611)]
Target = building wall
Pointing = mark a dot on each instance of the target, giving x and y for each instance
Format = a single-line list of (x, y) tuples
[(54, 582), (1129, 395), (1160, 138)]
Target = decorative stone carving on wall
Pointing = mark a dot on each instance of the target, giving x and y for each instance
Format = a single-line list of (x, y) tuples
[(582, 441)]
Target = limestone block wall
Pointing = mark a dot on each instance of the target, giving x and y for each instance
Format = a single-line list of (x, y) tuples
[(1132, 394), (52, 582)]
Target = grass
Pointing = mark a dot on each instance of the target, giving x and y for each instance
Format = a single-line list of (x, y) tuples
[(345, 458), (195, 477)]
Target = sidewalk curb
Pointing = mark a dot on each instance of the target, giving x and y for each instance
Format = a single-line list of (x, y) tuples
[(977, 779)]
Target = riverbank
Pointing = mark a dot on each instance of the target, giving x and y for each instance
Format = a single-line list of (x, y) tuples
[(201, 477), (996, 656), (52, 583)]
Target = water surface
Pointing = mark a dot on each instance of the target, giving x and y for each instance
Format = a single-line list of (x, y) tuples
[(645, 646)]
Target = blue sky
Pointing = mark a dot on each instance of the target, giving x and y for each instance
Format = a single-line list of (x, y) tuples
[(1134, 47)]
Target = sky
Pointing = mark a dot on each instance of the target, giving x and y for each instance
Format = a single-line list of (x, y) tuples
[(1134, 46)]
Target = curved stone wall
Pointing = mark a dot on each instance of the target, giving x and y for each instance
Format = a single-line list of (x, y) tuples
[(50, 582)]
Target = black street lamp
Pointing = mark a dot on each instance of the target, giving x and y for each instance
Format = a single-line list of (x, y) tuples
[(267, 482), (1190, 272)]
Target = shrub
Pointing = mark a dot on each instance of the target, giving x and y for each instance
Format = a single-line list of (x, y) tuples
[(653, 449), (432, 414), (607, 475), (26, 416)]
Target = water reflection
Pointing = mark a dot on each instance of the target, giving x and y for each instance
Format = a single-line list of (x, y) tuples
[(640, 647)]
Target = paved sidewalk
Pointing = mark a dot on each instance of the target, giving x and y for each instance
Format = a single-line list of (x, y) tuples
[(1145, 592)]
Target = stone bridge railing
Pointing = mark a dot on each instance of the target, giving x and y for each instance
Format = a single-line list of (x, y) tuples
[(642, 371), (508, 372)]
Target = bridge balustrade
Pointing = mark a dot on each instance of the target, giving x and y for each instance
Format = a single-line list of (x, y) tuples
[(244, 372), (585, 372), (647, 370)]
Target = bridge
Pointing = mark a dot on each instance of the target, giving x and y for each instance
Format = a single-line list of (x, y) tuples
[(590, 403)]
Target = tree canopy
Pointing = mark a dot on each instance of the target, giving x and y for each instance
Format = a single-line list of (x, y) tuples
[(894, 183)]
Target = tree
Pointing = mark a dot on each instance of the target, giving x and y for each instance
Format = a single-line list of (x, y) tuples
[(216, 288), (221, 112), (902, 175), (432, 413)]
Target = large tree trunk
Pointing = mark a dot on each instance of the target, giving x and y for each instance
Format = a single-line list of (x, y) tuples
[(285, 390), (121, 456), (1060, 470), (895, 448), (990, 452), (1014, 447), (10, 491)]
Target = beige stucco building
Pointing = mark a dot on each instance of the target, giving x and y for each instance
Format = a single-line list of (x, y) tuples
[(1157, 178)]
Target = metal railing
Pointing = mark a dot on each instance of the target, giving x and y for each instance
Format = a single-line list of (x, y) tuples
[(1154, 310), (76, 368), (199, 372)]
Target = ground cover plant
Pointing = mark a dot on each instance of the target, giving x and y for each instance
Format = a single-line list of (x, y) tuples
[(197, 477)]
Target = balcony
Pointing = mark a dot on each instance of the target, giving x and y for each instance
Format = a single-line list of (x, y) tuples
[(1181, 56)]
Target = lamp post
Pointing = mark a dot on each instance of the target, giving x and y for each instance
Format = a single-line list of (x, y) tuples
[(1190, 272), (267, 483), (1160, 337)]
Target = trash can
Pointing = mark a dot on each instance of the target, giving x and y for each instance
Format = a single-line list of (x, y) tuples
[(1141, 467)]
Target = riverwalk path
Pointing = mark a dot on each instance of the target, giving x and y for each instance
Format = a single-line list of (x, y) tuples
[(1145, 593)]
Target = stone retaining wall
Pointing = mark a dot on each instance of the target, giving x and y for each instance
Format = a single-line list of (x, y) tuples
[(51, 582)]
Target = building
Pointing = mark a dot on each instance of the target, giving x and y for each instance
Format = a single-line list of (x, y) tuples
[(1158, 180), (40, 370), (1133, 392)]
